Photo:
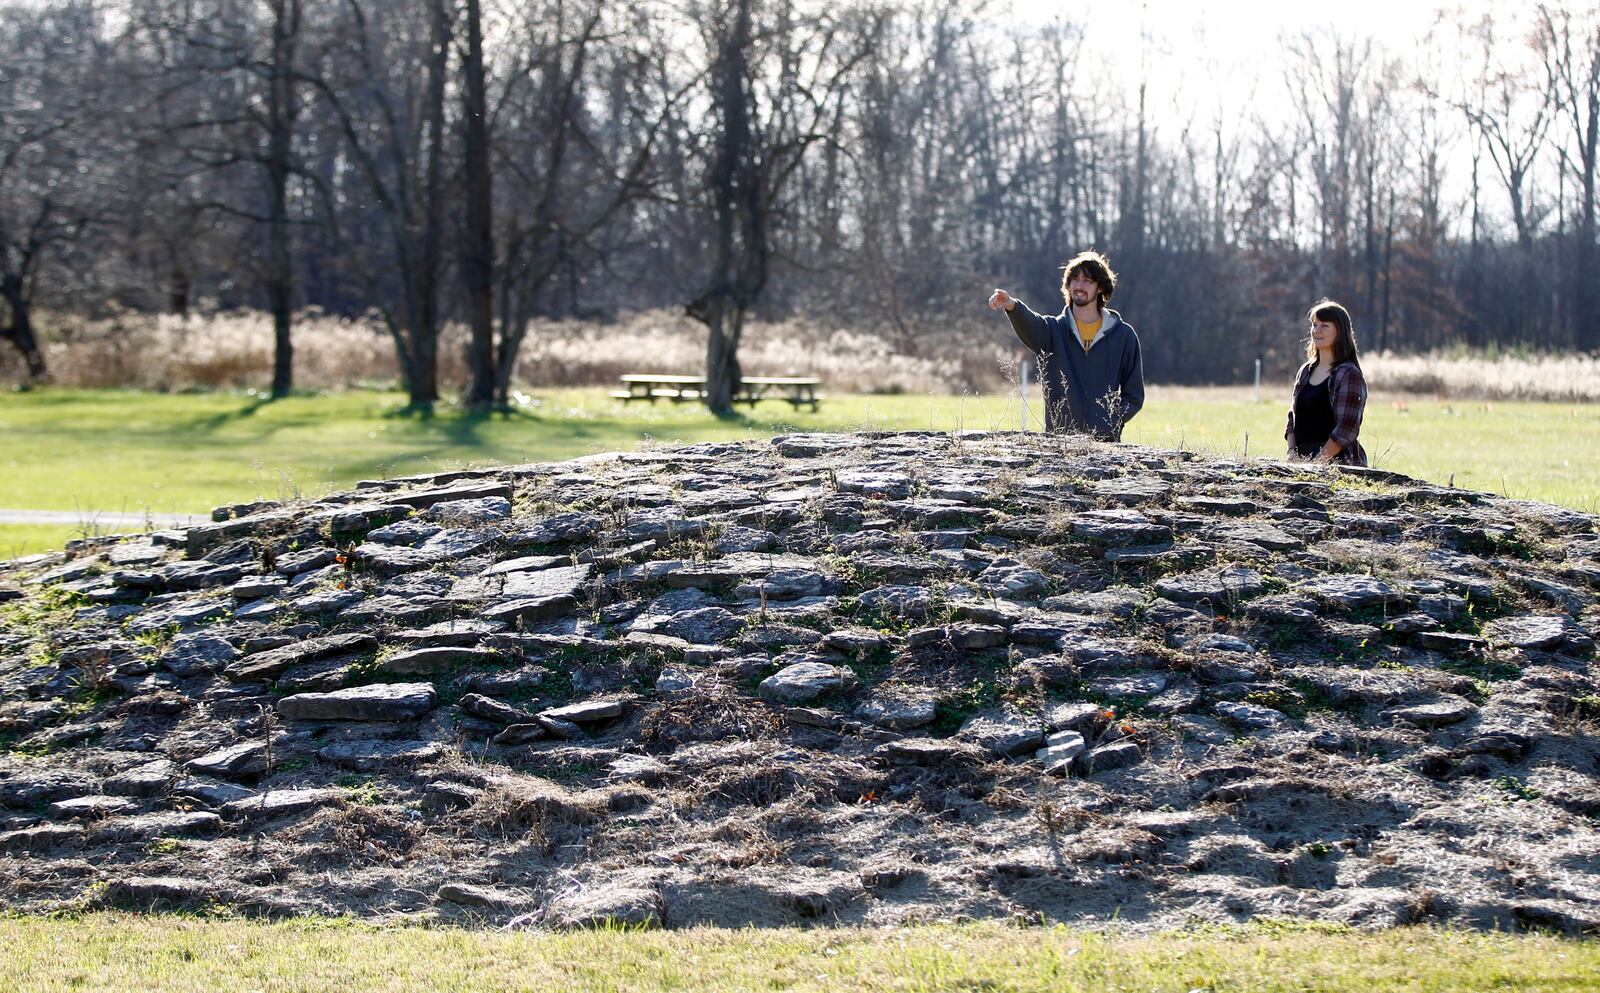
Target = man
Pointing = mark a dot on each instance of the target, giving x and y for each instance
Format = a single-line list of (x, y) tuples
[(1088, 355)]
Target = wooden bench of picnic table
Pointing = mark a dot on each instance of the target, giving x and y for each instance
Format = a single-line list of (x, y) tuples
[(796, 390), (653, 387)]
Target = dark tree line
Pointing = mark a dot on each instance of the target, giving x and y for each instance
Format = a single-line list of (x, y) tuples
[(879, 164)]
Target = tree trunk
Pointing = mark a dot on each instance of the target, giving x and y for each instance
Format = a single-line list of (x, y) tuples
[(1586, 305), (424, 330), (1388, 277), (1134, 208), (477, 250), (282, 343), (739, 211), (281, 112), (513, 328), (1370, 238), (724, 325), (424, 385), (1586, 311), (178, 293), (20, 332)]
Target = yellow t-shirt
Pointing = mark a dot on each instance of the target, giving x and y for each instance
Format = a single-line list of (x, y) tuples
[(1088, 331)]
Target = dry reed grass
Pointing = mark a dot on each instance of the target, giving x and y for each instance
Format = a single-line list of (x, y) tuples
[(220, 351), (234, 351), (563, 353), (1568, 378)]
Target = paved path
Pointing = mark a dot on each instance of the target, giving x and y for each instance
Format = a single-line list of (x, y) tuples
[(102, 518)]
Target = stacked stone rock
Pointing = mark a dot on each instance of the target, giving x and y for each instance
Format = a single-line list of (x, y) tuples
[(855, 677)]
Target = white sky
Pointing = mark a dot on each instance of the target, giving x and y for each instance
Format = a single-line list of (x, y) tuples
[(1226, 59), (1203, 51)]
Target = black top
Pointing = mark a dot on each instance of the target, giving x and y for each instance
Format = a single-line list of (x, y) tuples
[(1313, 418)]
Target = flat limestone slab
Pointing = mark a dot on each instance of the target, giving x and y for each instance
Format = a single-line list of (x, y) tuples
[(557, 581), (421, 499), (378, 702), (425, 661), (369, 756), (587, 712), (804, 681), (269, 665), (244, 760), (164, 824), (277, 803)]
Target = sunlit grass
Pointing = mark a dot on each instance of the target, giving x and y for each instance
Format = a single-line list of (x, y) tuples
[(128, 452), (24, 539), (161, 954), (1538, 451)]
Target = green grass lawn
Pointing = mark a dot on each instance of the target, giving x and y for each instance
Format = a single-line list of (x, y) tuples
[(159, 954), (1539, 451), (126, 452)]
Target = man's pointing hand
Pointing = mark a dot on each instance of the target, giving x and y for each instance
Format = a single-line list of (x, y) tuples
[(1001, 300)]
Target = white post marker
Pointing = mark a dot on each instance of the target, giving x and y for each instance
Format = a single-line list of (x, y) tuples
[(1258, 381)]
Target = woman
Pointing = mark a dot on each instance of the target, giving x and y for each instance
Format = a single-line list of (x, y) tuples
[(1330, 394)]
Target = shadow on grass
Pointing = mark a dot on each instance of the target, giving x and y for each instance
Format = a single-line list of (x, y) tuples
[(461, 428), (440, 439), (221, 419)]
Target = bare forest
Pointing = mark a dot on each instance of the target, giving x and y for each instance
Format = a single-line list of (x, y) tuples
[(498, 168)]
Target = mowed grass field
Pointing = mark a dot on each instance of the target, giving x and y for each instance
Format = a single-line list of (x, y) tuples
[(91, 453), (123, 952)]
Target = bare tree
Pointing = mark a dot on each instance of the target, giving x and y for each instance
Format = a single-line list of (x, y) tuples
[(1512, 115), (1569, 49), (56, 62), (774, 72), (227, 84), (278, 121), (1326, 75), (477, 236), (584, 105), (393, 127), (741, 250), (493, 162)]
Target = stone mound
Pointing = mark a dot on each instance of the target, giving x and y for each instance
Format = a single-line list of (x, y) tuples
[(841, 678)]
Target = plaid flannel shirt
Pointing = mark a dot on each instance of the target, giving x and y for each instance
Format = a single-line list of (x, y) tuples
[(1347, 394)]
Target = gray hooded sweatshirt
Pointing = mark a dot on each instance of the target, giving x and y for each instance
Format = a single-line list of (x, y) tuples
[(1096, 389)]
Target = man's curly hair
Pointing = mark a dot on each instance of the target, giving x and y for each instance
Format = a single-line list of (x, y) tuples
[(1096, 267)]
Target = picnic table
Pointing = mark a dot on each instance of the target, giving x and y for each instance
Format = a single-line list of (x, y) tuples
[(798, 391)]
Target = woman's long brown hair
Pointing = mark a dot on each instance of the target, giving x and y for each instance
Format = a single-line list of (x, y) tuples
[(1344, 341)]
